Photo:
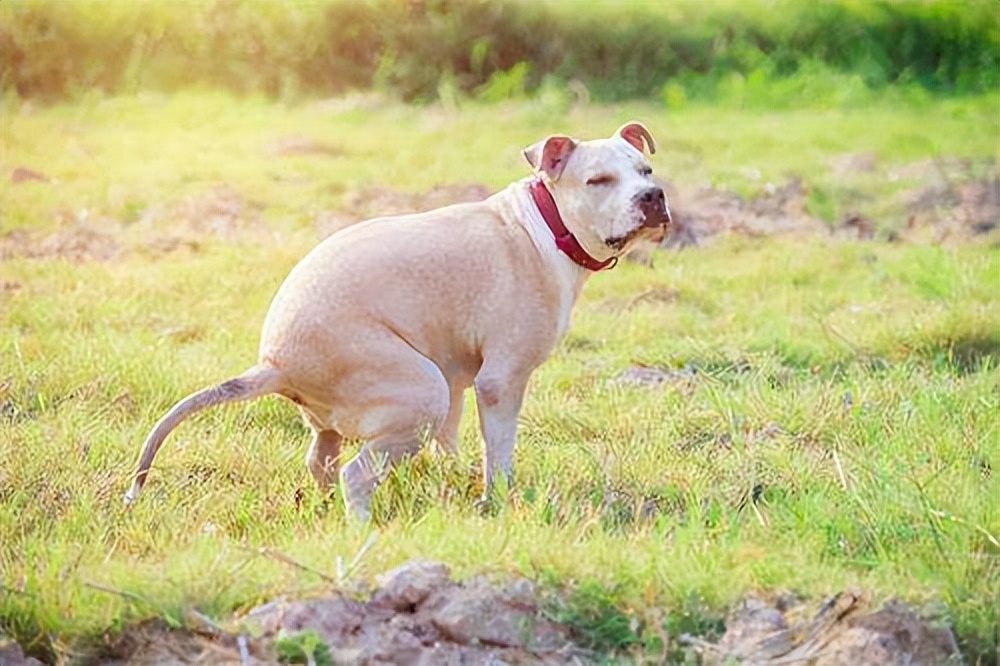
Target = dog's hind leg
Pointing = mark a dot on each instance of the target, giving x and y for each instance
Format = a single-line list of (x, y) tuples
[(396, 417), (447, 435)]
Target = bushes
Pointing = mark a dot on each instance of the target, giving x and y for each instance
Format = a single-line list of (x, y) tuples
[(51, 49)]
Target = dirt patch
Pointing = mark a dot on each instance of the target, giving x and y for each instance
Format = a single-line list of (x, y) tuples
[(219, 212), (80, 240), (641, 374), (297, 144), (155, 643), (764, 633), (26, 175), (955, 209), (379, 201), (708, 211), (954, 198), (419, 615)]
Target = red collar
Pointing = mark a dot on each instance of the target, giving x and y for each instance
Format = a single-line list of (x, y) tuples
[(565, 240)]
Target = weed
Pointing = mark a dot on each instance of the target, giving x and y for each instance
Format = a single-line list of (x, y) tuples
[(303, 647)]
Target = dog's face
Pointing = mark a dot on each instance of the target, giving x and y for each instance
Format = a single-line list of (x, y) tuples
[(604, 189)]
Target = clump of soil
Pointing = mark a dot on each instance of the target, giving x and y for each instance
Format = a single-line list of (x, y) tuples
[(956, 209), (762, 633), (25, 175), (416, 615), (419, 615), (12, 655)]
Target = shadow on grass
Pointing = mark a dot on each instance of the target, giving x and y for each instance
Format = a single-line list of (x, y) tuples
[(963, 355), (959, 355)]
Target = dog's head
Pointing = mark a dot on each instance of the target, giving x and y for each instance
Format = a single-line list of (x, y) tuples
[(604, 189)]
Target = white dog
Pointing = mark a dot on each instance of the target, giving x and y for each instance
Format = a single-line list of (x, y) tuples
[(379, 330)]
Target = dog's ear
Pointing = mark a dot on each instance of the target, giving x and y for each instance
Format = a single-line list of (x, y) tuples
[(635, 133), (550, 155)]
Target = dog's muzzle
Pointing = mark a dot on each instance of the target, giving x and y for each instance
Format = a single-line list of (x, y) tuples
[(656, 215)]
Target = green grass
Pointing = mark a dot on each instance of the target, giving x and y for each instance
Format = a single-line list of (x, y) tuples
[(850, 387)]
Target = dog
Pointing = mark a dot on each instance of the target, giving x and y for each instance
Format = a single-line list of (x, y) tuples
[(379, 330)]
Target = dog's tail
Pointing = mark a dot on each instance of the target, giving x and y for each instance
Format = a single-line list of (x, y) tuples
[(255, 382)]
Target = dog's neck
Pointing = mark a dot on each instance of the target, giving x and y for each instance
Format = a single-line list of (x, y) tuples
[(568, 274), (538, 230)]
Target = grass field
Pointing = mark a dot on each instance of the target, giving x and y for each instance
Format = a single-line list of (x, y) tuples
[(849, 389)]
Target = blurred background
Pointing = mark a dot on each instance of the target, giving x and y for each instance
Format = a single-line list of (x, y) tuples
[(754, 53)]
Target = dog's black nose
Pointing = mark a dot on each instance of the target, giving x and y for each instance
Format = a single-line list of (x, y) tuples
[(654, 196), (653, 204)]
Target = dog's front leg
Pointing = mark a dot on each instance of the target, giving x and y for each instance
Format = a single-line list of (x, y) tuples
[(498, 397)]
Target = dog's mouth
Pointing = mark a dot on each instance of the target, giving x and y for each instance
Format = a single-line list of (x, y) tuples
[(656, 221)]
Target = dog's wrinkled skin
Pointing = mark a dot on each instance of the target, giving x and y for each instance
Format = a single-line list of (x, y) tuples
[(379, 330)]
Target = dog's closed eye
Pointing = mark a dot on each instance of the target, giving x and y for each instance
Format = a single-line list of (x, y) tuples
[(602, 179)]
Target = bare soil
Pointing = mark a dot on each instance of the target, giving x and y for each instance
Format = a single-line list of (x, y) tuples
[(842, 631), (955, 201)]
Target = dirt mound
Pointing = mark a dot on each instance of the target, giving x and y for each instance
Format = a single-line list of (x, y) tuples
[(379, 201), (219, 212), (956, 209), (707, 211), (952, 198), (759, 633), (82, 239), (417, 615)]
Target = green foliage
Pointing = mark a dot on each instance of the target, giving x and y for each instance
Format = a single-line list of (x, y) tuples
[(505, 85), (738, 50), (596, 621), (303, 647)]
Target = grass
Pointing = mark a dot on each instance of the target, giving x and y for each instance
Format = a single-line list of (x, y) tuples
[(841, 427)]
